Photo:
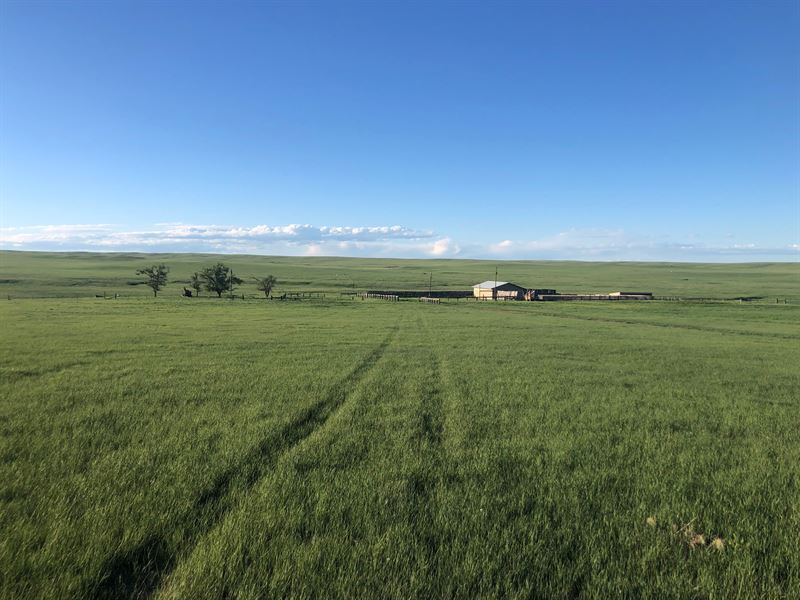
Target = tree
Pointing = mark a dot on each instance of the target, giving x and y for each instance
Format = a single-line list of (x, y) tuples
[(196, 282), (219, 279), (155, 277), (265, 284)]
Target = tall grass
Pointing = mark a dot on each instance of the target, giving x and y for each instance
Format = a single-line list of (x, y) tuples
[(346, 448)]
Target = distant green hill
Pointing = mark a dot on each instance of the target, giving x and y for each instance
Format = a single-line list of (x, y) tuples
[(82, 274)]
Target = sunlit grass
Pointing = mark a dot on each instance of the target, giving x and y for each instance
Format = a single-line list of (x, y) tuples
[(368, 449)]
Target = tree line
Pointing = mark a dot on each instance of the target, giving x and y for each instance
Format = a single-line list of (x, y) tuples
[(216, 279)]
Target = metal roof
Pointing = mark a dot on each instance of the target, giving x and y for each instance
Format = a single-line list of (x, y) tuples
[(490, 285)]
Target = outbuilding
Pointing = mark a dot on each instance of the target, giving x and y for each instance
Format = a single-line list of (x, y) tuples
[(498, 290)]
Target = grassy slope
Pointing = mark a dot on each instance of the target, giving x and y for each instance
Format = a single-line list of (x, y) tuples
[(30, 274), (364, 448)]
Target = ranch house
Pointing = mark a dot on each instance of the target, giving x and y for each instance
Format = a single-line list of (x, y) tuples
[(498, 290)]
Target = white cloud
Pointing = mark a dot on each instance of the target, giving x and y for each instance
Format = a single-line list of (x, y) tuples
[(444, 247), (589, 241), (313, 250), (616, 244), (381, 241), (51, 234), (262, 239)]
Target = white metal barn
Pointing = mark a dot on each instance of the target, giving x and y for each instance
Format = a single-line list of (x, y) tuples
[(498, 290)]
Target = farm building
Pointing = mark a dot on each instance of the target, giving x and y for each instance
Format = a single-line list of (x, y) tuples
[(498, 290)]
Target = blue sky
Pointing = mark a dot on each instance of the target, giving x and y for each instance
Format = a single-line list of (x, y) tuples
[(583, 130)]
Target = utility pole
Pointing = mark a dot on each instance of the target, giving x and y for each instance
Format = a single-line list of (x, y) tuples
[(430, 283), (494, 291)]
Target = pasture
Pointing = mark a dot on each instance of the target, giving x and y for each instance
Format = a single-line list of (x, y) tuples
[(81, 275), (201, 448)]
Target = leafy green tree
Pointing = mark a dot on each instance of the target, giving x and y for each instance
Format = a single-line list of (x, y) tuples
[(219, 279), (265, 284), (155, 277), (196, 282)]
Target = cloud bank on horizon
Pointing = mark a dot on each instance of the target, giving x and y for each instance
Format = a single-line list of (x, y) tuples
[(393, 241)]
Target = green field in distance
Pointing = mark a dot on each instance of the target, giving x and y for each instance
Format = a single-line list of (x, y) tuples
[(81, 274), (204, 448)]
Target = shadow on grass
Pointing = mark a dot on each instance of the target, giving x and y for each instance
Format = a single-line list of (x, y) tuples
[(422, 482), (138, 572)]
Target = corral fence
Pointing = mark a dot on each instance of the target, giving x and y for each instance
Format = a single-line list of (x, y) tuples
[(718, 299), (430, 300), (389, 297), (426, 293), (299, 296), (605, 297)]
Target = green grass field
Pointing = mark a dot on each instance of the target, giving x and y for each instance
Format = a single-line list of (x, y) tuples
[(81, 275), (203, 448)]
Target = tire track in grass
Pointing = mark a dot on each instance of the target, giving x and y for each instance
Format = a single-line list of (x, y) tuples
[(428, 434), (138, 572), (13, 374)]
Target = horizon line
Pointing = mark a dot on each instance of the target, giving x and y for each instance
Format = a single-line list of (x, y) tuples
[(399, 258)]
